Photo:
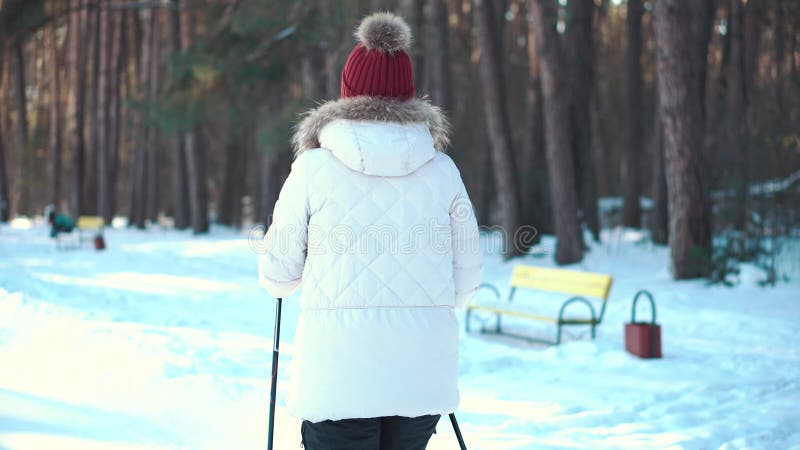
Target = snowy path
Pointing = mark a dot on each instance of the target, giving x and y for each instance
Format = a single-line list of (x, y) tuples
[(164, 342)]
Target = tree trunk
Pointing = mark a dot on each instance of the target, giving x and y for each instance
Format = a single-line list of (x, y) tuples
[(631, 211), (180, 193), (438, 45), (700, 27), (505, 172), (152, 187), (274, 173), (734, 141), (795, 33), (140, 175), (607, 176), (5, 198), (196, 173), (269, 194), (133, 41), (76, 106), (533, 177), (55, 120), (560, 162), (195, 158), (413, 11), (103, 123), (20, 106), (314, 77), (230, 202), (751, 43), (780, 42), (95, 126), (115, 113), (20, 100), (682, 119), (579, 47), (659, 222)]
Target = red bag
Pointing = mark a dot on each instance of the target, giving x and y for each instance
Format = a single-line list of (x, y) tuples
[(99, 242), (641, 338)]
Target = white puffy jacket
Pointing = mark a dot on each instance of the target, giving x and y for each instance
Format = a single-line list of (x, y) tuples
[(376, 226)]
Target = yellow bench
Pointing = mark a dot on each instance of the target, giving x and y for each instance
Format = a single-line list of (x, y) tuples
[(94, 224), (578, 284), (70, 240), (90, 223)]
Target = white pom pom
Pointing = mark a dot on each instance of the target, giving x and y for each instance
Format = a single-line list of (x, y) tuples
[(384, 32)]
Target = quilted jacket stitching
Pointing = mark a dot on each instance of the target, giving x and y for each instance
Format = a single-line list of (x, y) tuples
[(430, 186), (407, 161), (358, 144)]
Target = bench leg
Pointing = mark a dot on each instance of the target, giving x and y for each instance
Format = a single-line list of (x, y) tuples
[(558, 334), (497, 327), (563, 309)]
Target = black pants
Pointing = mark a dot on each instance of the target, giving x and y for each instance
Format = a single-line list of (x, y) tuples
[(377, 433)]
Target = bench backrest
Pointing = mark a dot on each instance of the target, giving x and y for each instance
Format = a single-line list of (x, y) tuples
[(90, 222), (585, 284)]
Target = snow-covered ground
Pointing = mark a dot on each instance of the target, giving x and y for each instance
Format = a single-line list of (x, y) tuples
[(164, 342)]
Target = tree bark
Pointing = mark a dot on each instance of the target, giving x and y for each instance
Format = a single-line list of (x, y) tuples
[(560, 162), (76, 106), (778, 55), (180, 193), (55, 119), (139, 173), (413, 11), (20, 105), (700, 27), (115, 113), (102, 107), (533, 177), (735, 140), (682, 113), (20, 100), (230, 202), (438, 35), (795, 32), (195, 164), (195, 158), (152, 187), (579, 46), (274, 172), (751, 45), (631, 211), (314, 77), (659, 223), (95, 126), (133, 49), (505, 172), (5, 197)]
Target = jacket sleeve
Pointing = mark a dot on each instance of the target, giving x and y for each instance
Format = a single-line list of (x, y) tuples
[(467, 255), (283, 254)]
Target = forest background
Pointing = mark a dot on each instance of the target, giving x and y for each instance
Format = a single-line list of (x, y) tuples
[(679, 116)]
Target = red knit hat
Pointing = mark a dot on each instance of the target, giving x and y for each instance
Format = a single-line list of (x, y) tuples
[(379, 65)]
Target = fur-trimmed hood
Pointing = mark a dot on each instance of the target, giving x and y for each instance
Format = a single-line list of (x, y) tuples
[(371, 109)]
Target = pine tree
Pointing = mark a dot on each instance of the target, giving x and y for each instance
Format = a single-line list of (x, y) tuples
[(682, 121), (560, 161)]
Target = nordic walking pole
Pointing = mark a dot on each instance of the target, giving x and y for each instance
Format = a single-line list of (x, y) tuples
[(458, 431), (274, 378)]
